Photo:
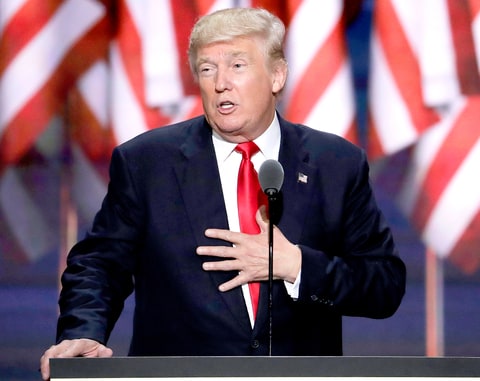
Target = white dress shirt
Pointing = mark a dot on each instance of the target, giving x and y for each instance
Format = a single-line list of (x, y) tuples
[(228, 161)]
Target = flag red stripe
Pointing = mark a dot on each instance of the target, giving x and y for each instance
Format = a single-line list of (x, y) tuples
[(23, 130), (202, 6), (23, 26), (466, 62), (278, 8), (352, 133), (292, 8), (184, 16), (86, 128), (130, 47), (474, 7)]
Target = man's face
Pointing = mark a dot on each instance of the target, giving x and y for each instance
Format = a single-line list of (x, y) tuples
[(237, 87)]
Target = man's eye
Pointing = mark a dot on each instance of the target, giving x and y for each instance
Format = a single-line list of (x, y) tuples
[(205, 70)]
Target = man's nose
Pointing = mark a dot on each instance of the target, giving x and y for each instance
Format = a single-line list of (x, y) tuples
[(222, 81)]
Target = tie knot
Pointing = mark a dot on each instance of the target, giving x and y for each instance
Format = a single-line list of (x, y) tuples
[(247, 149)]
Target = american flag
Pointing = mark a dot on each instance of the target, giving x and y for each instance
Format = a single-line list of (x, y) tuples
[(42, 53), (425, 93), (398, 114), (319, 91)]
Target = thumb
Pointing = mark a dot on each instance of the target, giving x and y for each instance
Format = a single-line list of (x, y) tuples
[(262, 218)]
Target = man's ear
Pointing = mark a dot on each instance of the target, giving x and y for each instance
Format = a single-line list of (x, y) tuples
[(280, 71)]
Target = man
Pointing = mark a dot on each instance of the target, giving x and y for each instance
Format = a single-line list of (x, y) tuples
[(169, 225)]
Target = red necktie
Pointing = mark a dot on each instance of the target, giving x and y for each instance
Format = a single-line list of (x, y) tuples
[(249, 197)]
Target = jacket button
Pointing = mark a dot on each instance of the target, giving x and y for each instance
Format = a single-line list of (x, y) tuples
[(255, 344)]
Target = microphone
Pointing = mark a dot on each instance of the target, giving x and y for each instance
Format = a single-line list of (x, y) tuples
[(270, 177)]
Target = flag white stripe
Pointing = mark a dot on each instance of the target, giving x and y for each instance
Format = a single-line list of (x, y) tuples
[(8, 8), (476, 36), (389, 111), (160, 56), (27, 223), (337, 116), (436, 55), (127, 114), (409, 13), (94, 89)]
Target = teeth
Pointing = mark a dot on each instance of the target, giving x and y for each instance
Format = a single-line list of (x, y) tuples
[(226, 105)]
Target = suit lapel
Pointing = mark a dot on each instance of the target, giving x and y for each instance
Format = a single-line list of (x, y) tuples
[(200, 183), (202, 193), (299, 181)]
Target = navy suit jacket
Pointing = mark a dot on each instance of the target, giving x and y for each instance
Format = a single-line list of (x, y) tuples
[(165, 191)]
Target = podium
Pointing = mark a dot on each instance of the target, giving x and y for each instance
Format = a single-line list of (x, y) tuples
[(264, 368)]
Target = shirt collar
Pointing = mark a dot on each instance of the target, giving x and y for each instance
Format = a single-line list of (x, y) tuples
[(268, 143)]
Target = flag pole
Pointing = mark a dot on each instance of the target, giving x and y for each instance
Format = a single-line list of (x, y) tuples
[(434, 308), (68, 212), (68, 219)]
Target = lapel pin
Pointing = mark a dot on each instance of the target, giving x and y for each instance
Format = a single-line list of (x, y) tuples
[(302, 178)]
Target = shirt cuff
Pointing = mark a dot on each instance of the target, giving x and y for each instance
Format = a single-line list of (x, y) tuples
[(294, 288)]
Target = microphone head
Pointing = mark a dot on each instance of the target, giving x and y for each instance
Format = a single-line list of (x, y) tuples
[(270, 176)]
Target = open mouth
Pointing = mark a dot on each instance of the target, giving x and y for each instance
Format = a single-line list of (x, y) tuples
[(226, 106)]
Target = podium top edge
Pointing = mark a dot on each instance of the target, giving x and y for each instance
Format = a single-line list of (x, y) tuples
[(276, 366)]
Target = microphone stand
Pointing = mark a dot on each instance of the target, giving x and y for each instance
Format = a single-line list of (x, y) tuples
[(270, 177), (272, 197)]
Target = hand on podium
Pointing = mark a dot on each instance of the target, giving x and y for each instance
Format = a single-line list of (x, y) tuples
[(72, 348)]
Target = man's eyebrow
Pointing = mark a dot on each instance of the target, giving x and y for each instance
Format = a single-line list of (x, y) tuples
[(202, 60), (239, 53)]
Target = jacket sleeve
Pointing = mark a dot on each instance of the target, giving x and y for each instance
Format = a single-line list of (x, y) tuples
[(99, 273), (363, 274)]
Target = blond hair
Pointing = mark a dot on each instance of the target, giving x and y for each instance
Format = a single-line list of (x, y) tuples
[(228, 24)]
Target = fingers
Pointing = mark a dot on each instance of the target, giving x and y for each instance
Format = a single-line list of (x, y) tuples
[(55, 351), (72, 348), (237, 240), (221, 265), (238, 281), (216, 251), (247, 255), (261, 218), (104, 351), (223, 234), (45, 366)]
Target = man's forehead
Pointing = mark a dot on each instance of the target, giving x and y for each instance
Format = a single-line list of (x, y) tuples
[(222, 49)]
